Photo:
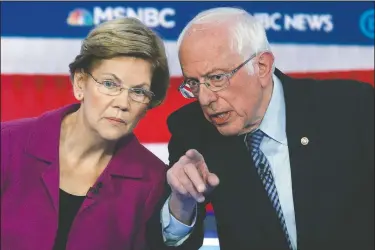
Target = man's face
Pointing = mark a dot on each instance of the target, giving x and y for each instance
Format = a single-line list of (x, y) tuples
[(237, 108)]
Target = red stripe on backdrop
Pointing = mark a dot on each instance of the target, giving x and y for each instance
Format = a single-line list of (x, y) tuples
[(31, 95)]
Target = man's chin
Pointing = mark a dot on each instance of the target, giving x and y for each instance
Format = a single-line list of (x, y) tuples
[(227, 130)]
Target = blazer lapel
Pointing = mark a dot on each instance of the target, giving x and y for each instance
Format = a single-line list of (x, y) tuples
[(50, 177), (123, 165), (302, 143), (43, 147)]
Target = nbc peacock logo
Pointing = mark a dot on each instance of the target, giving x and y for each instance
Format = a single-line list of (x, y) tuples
[(80, 17)]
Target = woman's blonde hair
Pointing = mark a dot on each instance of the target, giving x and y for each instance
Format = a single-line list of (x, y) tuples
[(126, 37)]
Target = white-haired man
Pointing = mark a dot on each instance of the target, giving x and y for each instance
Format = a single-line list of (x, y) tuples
[(286, 163)]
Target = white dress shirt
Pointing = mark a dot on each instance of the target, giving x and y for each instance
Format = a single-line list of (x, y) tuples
[(275, 148)]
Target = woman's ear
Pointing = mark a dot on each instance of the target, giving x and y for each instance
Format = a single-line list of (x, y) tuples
[(79, 83)]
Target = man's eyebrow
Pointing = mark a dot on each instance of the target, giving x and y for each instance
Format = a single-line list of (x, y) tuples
[(210, 72)]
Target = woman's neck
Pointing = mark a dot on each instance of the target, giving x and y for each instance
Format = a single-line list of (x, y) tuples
[(82, 146)]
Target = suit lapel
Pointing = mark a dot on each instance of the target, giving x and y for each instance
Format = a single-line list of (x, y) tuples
[(229, 158), (302, 143)]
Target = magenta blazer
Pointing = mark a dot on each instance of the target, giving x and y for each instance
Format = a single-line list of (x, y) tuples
[(113, 219)]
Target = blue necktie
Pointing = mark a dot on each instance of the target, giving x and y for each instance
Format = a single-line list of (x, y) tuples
[(263, 168)]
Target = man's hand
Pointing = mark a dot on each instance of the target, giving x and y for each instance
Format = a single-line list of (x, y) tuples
[(190, 180)]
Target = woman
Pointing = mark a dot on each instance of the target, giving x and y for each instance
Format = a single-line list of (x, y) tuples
[(76, 177)]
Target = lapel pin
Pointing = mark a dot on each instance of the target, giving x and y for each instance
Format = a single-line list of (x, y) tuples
[(304, 141)]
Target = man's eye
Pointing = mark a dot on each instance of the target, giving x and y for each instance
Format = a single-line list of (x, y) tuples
[(192, 83), (216, 77)]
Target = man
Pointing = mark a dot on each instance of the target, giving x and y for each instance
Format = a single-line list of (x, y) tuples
[(286, 163)]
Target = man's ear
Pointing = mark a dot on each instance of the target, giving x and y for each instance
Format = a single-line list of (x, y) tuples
[(265, 63)]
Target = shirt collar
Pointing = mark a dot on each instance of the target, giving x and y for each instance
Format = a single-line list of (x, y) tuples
[(273, 123)]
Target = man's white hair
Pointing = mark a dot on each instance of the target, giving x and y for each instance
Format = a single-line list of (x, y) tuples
[(248, 35)]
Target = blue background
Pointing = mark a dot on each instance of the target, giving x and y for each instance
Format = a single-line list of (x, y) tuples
[(48, 19)]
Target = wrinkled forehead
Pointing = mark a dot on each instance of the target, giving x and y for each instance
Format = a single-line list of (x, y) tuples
[(205, 38), (206, 46)]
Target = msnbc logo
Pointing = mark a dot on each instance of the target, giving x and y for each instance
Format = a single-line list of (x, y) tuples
[(80, 17)]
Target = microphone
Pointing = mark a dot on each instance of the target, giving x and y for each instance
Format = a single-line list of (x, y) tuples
[(94, 190)]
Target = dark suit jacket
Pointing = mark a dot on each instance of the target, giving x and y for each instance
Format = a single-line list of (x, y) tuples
[(113, 219), (332, 176)]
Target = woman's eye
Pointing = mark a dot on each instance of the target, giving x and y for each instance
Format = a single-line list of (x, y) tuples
[(109, 84), (138, 91)]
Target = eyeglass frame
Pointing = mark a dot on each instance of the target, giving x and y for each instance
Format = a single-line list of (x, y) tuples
[(227, 75), (122, 88)]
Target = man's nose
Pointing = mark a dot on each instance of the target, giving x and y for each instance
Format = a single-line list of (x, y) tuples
[(206, 96)]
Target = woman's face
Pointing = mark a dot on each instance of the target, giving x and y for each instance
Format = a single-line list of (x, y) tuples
[(111, 113)]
